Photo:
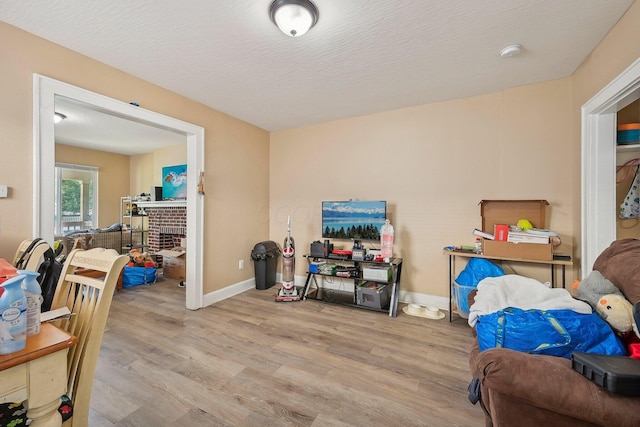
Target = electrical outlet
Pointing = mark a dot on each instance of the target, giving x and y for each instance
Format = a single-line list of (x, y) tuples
[(4, 190), (240, 264)]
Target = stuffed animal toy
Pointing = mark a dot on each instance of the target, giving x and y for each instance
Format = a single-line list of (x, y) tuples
[(140, 259), (624, 319), (593, 287), (617, 311)]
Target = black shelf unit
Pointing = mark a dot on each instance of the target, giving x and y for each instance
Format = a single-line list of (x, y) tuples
[(349, 298)]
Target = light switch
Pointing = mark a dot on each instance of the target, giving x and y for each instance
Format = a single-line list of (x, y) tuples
[(3, 190)]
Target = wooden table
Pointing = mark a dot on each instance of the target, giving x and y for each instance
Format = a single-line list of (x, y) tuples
[(38, 374)]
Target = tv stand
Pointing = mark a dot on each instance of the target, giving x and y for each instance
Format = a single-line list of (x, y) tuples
[(360, 280)]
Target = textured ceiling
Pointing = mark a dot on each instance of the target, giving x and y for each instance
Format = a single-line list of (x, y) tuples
[(88, 127), (362, 57)]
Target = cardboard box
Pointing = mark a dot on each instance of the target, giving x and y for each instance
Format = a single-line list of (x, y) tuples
[(523, 251), (174, 263), (509, 212)]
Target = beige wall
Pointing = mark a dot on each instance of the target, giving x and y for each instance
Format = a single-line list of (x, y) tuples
[(141, 171), (237, 172), (146, 169), (113, 178), (433, 164)]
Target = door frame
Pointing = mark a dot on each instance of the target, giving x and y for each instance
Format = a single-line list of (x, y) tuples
[(599, 210), (45, 90)]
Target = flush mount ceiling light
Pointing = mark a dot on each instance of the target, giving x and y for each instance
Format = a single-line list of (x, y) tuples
[(58, 117), (511, 50), (293, 17)]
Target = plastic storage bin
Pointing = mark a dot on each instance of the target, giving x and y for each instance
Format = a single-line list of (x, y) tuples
[(461, 295), (374, 295), (265, 261), (629, 133)]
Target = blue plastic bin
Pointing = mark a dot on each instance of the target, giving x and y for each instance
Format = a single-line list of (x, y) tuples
[(461, 295)]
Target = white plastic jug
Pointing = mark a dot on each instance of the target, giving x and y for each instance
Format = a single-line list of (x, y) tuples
[(13, 316), (33, 293), (386, 241)]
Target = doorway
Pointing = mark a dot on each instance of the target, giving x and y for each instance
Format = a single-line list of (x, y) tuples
[(45, 91), (599, 163)]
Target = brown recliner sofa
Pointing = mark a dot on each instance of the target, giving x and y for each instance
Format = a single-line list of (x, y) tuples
[(520, 389)]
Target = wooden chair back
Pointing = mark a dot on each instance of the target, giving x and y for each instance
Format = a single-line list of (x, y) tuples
[(88, 299)]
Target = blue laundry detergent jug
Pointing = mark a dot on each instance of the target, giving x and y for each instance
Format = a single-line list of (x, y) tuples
[(33, 293), (13, 316)]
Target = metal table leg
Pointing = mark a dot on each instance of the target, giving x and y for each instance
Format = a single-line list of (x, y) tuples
[(451, 273)]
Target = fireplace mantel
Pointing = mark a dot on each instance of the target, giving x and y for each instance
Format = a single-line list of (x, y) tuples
[(162, 204)]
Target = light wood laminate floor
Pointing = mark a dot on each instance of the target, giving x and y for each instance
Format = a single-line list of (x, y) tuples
[(249, 361)]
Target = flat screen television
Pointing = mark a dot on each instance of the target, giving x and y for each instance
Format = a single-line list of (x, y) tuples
[(357, 220)]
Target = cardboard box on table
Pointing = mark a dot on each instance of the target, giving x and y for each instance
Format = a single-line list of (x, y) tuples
[(174, 263), (510, 212)]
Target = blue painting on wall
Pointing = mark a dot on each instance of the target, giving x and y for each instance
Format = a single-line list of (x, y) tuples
[(174, 182)]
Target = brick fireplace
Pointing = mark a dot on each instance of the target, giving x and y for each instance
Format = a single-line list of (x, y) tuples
[(167, 225)]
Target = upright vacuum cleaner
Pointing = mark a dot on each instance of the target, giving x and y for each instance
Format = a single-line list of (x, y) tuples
[(288, 291)]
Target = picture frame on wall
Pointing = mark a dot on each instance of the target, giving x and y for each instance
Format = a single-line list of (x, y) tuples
[(174, 182)]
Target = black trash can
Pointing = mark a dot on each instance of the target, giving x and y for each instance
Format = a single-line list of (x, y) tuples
[(265, 260)]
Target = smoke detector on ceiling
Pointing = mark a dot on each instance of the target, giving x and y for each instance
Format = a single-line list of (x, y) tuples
[(511, 50)]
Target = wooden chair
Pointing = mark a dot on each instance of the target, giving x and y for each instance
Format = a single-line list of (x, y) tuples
[(32, 261), (88, 299)]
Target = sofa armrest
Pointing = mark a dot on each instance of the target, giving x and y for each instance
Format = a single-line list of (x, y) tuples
[(549, 382)]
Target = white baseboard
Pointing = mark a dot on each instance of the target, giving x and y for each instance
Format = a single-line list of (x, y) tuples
[(229, 291), (424, 299), (336, 283)]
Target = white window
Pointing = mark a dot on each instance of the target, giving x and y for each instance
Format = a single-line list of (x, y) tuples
[(76, 195)]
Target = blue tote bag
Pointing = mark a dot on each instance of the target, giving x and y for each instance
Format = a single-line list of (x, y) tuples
[(134, 276), (552, 332)]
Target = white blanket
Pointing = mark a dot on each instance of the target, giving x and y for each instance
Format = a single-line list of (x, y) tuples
[(511, 290)]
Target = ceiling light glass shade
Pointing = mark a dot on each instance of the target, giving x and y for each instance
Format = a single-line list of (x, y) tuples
[(511, 50), (58, 117), (293, 17)]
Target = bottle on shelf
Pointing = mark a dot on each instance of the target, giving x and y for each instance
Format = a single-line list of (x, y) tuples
[(386, 241), (477, 247)]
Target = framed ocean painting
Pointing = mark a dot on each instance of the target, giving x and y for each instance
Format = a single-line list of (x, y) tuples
[(174, 182)]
